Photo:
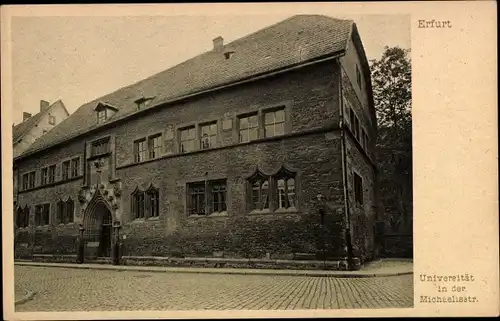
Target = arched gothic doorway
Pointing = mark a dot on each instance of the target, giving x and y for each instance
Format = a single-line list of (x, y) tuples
[(98, 224)]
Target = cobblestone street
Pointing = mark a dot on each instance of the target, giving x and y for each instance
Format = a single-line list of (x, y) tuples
[(63, 289)]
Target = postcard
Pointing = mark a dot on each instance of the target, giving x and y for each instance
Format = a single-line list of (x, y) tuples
[(249, 160)]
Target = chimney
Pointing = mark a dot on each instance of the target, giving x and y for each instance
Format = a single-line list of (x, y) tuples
[(44, 105), (218, 43), (26, 115)]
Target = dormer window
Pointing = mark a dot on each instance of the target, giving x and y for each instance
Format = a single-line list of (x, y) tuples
[(228, 54), (143, 102), (104, 112), (101, 116)]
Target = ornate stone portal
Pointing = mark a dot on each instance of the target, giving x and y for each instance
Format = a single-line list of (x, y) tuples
[(100, 215)]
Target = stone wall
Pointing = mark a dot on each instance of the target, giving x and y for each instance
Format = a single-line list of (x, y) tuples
[(311, 149), (316, 157), (360, 161)]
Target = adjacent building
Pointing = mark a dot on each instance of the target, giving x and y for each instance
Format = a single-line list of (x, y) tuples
[(262, 147), (33, 127)]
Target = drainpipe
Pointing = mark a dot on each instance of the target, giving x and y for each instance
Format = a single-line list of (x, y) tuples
[(350, 263)]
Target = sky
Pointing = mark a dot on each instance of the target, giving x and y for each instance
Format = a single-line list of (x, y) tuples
[(77, 59)]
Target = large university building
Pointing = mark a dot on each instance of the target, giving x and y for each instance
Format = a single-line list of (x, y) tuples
[(259, 148)]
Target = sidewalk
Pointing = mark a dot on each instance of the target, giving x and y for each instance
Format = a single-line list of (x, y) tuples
[(379, 268)]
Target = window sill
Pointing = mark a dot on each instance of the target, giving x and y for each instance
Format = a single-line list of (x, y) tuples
[(286, 210), (264, 138), (257, 212), (145, 220), (66, 224), (215, 214), (148, 159), (92, 157), (218, 214), (290, 210)]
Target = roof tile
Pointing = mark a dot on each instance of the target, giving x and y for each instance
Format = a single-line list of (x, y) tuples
[(295, 40)]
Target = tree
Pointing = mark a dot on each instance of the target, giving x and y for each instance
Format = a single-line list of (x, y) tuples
[(391, 79)]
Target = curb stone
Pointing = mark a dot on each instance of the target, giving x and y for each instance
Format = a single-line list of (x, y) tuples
[(354, 274), (27, 297)]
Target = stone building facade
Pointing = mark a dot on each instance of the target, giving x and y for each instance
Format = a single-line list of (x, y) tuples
[(259, 148)]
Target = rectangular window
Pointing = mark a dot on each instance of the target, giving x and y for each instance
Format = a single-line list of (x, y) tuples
[(207, 197), (358, 76), (260, 194), (65, 170), (42, 214), (218, 197), (22, 218), (69, 215), (358, 189), (286, 192), (52, 174), (187, 139), (208, 135), (75, 167), (19, 218), (352, 119), (52, 120), (32, 180), (45, 175), (25, 182), (196, 198), (138, 205), (359, 130), (155, 144), (61, 207), (356, 127), (365, 139), (346, 111), (249, 128), (38, 215), (274, 123), (101, 116), (153, 202), (140, 150), (100, 147)]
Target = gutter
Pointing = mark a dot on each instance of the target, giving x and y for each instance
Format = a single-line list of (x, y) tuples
[(195, 94)]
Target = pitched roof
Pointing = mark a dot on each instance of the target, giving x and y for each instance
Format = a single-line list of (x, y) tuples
[(292, 41), (21, 129)]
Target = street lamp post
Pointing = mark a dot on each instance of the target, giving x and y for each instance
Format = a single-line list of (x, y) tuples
[(116, 243), (81, 245)]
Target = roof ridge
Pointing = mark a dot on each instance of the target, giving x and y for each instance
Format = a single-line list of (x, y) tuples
[(102, 97), (283, 22)]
